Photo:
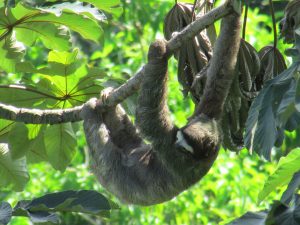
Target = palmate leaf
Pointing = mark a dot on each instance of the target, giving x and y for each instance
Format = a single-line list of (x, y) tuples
[(284, 172), (60, 142), (5, 127), (12, 172), (18, 146), (65, 82), (27, 24), (111, 6), (26, 96), (76, 7), (270, 112), (53, 37), (10, 52), (43, 209), (76, 21), (37, 150)]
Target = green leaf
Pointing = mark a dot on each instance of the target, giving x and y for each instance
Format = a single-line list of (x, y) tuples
[(297, 97), (18, 146), (10, 53), (61, 63), (36, 151), (283, 214), (86, 27), (292, 188), (77, 8), (5, 127), (251, 218), (12, 172), (53, 37), (83, 201), (5, 213), (111, 6), (60, 142), (270, 112), (284, 172), (25, 96)]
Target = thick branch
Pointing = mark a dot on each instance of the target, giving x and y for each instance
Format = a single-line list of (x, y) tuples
[(36, 116)]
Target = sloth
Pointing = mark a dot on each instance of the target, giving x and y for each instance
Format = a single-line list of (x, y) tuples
[(153, 161)]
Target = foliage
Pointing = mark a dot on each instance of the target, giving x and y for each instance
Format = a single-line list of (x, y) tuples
[(69, 34)]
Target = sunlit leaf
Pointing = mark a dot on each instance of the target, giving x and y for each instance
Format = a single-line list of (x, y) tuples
[(60, 142), (78, 8), (12, 172), (53, 37), (18, 146), (284, 172), (24, 96), (110, 6), (11, 53), (61, 63)]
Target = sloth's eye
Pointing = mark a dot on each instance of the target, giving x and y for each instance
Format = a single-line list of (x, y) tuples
[(182, 144)]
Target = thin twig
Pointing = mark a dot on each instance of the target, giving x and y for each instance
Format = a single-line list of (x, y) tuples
[(245, 19), (274, 23)]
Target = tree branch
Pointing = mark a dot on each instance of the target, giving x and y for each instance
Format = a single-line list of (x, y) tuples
[(36, 116)]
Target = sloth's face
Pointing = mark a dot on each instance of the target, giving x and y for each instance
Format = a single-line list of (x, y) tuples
[(182, 143)]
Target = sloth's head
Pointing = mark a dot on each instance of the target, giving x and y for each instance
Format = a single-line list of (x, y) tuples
[(198, 138)]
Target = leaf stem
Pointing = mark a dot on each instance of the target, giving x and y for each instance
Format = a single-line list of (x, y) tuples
[(245, 19), (274, 23)]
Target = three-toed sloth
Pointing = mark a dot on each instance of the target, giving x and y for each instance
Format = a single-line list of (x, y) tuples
[(171, 159)]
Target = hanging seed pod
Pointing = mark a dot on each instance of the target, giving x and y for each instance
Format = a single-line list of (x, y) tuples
[(248, 64), (291, 21), (272, 64), (194, 54)]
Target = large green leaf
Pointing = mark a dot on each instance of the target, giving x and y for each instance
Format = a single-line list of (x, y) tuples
[(78, 8), (61, 63), (251, 218), (284, 172), (83, 201), (25, 96), (292, 188), (281, 214), (5, 127), (87, 28), (36, 149), (43, 209), (65, 82), (60, 142), (270, 112), (12, 172), (10, 53), (53, 37), (18, 146), (110, 6), (5, 213)]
